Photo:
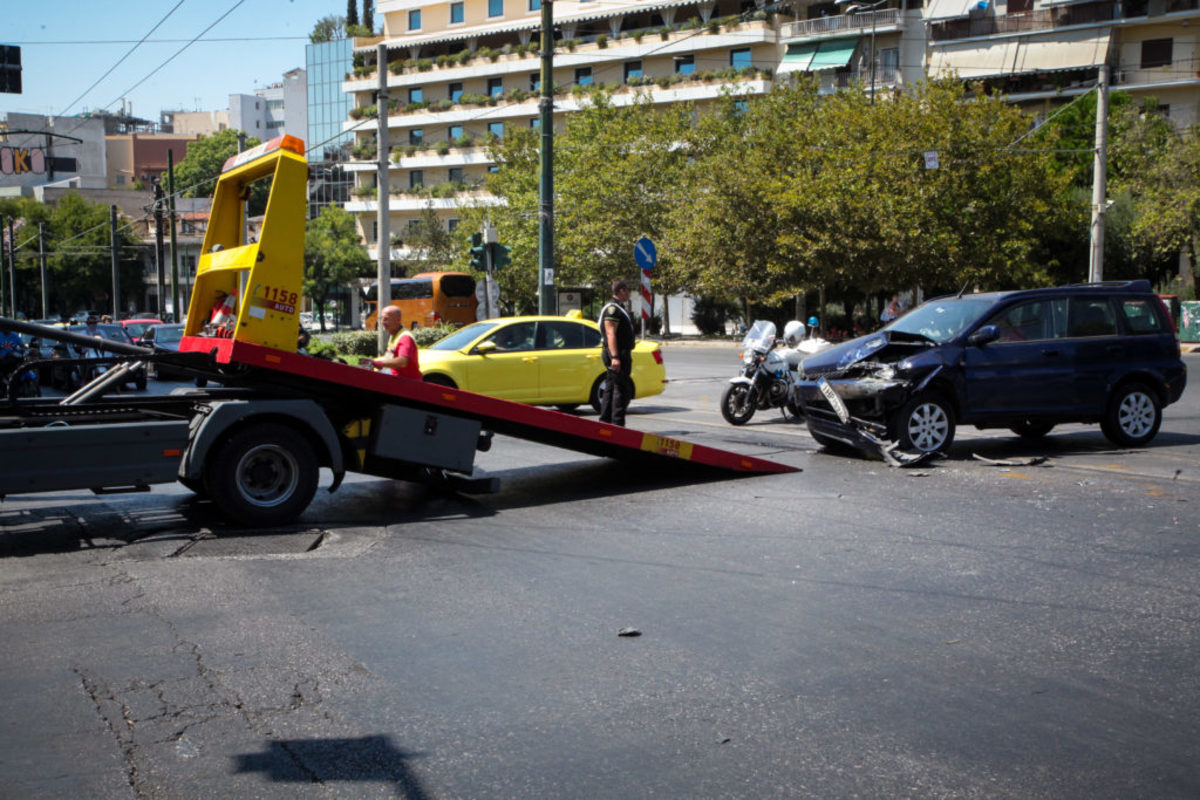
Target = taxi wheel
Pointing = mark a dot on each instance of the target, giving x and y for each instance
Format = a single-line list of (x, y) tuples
[(596, 396), (441, 380)]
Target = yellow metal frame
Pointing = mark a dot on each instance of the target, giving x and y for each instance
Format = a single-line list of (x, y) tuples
[(265, 276)]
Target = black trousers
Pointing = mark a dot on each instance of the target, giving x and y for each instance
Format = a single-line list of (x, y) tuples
[(617, 394)]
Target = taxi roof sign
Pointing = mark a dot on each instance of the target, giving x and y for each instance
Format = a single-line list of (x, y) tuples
[(278, 143)]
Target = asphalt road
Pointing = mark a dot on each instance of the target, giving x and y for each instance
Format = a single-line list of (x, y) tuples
[(957, 630)]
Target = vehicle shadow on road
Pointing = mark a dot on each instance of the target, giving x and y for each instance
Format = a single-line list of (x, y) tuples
[(326, 761)]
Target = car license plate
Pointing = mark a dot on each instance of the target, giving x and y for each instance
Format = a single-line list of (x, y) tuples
[(839, 405)]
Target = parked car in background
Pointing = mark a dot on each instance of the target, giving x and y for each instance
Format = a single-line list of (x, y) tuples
[(137, 326), (548, 361), (165, 336), (113, 332), (1025, 360)]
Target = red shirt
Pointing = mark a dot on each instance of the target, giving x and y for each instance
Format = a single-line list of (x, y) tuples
[(400, 345)]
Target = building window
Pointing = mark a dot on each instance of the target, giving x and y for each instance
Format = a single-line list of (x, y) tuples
[(494, 168), (495, 8), (1156, 53), (416, 136), (535, 5), (456, 13), (375, 230), (416, 179), (740, 58), (414, 19), (454, 133), (685, 65), (633, 69), (583, 75), (496, 129), (455, 92), (452, 224), (495, 87), (416, 95), (455, 175), (1020, 6), (535, 81), (535, 123)]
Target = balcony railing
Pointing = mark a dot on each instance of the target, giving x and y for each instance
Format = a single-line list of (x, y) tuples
[(843, 23)]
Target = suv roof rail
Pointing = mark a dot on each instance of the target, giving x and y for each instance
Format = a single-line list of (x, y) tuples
[(1137, 285)]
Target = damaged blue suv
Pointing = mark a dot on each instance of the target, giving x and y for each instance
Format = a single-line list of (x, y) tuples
[(1025, 360)]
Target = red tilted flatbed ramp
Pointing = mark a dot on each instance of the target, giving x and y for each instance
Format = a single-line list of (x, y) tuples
[(321, 377)]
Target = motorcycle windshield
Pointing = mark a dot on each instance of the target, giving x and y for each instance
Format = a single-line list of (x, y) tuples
[(761, 336)]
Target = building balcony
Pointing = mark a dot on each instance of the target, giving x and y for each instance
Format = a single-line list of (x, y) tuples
[(883, 21), (1065, 15), (412, 202), (629, 46)]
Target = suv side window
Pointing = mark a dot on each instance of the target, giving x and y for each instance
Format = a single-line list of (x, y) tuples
[(1140, 316), (1091, 316), (1030, 321)]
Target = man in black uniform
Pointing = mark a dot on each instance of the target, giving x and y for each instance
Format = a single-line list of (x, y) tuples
[(616, 329)]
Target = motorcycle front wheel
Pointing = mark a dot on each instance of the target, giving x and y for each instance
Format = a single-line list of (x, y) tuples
[(737, 406)]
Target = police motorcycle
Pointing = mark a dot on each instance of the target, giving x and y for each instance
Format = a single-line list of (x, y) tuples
[(768, 373), (17, 379)]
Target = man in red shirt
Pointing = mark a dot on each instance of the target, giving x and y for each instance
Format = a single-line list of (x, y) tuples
[(401, 356)]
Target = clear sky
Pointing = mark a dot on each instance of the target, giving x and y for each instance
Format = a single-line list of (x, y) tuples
[(67, 45)]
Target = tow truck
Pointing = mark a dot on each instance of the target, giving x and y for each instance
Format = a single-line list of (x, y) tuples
[(255, 443)]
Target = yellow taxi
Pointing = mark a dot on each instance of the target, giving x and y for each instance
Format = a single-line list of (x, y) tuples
[(540, 360)]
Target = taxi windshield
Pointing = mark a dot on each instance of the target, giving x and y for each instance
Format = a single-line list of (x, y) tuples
[(464, 336)]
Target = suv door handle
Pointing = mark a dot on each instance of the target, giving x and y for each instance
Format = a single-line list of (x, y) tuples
[(1051, 353)]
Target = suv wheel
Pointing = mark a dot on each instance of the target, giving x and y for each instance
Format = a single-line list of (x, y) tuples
[(926, 424), (1032, 429), (1133, 417)]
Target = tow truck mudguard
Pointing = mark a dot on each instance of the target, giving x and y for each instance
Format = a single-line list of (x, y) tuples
[(217, 418)]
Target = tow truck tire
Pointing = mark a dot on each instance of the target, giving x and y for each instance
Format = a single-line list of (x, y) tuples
[(926, 424), (264, 475)]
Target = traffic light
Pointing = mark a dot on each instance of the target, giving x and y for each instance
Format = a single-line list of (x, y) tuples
[(478, 253), (500, 257)]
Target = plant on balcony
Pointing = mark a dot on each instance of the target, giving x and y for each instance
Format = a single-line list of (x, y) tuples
[(602, 40), (475, 99), (396, 67), (424, 65), (365, 149), (364, 112), (637, 36), (571, 44), (411, 107), (365, 192), (443, 148), (664, 32), (517, 95), (445, 104), (714, 26), (466, 140)]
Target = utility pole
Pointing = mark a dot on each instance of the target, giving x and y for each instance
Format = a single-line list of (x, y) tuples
[(1099, 178), (115, 241), (159, 262), (176, 315), (3, 251), (383, 269), (42, 262), (547, 302), (12, 270)]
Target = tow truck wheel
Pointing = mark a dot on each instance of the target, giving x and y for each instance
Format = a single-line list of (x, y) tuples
[(263, 475), (926, 424)]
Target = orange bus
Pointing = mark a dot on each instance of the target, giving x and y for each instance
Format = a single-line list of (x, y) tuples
[(426, 299)]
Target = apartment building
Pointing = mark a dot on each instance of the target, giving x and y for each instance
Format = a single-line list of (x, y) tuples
[(460, 71)]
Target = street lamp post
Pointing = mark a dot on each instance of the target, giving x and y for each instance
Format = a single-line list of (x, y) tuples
[(853, 7)]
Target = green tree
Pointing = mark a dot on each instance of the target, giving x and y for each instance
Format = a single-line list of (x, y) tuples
[(196, 175), (351, 12), (368, 15), (614, 170), (79, 259), (327, 29), (1158, 168), (430, 245), (333, 256)]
